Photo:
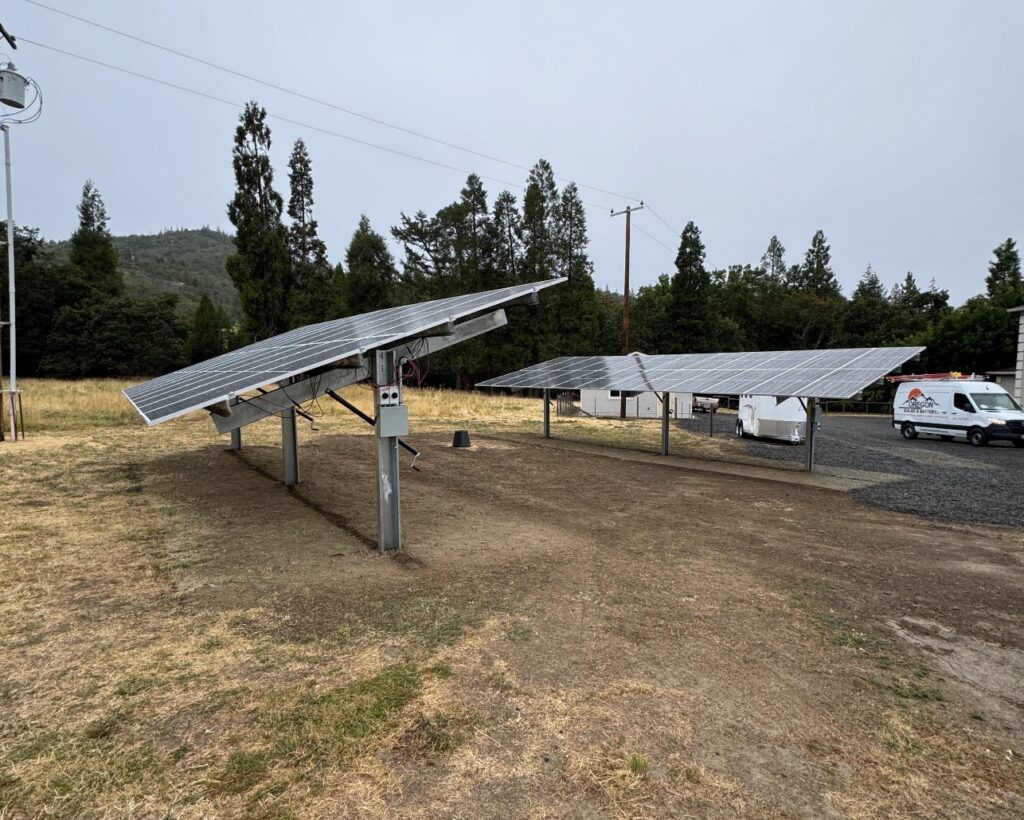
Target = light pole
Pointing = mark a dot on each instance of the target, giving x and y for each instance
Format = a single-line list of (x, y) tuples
[(12, 95)]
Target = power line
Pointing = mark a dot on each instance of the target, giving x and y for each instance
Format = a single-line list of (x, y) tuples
[(307, 97), (278, 117), (675, 233), (298, 123), (652, 237)]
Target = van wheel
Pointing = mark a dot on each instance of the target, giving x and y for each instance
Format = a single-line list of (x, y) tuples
[(739, 430), (908, 430), (946, 438), (1018, 442), (977, 437)]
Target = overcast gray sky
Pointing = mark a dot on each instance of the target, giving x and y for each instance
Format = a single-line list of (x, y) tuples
[(897, 127)]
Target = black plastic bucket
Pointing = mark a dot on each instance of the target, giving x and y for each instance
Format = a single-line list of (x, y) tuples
[(461, 438)]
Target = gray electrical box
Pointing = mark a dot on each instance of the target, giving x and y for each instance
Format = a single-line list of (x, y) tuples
[(393, 420)]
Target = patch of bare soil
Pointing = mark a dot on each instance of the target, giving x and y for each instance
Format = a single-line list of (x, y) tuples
[(627, 638)]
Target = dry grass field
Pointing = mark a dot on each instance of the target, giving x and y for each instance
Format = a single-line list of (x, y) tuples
[(571, 630)]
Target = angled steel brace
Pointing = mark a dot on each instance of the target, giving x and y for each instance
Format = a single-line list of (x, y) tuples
[(274, 402), (228, 417), (425, 345)]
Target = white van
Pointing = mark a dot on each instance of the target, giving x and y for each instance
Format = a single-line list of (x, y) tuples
[(978, 411)]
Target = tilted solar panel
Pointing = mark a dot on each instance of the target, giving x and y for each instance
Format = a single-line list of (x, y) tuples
[(821, 374), (306, 348)]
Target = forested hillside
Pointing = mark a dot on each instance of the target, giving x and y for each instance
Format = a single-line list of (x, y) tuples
[(183, 262)]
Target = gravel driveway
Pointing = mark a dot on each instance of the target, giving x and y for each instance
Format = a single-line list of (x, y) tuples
[(944, 481)]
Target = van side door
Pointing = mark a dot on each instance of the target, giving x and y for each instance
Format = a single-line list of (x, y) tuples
[(962, 414)]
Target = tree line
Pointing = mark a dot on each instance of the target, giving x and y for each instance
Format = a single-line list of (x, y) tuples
[(79, 322)]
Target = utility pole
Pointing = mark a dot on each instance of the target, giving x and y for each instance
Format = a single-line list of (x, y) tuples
[(12, 96), (13, 43), (625, 300)]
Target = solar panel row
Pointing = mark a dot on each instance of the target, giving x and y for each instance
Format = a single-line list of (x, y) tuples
[(824, 374), (304, 349)]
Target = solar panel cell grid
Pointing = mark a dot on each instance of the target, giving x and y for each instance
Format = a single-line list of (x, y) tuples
[(825, 374), (306, 348)]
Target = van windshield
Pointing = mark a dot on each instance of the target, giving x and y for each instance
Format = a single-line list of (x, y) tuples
[(995, 401)]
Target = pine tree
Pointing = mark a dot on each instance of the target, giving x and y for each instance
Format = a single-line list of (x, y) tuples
[(311, 298), (691, 326), (774, 262), (206, 339), (1004, 278), (569, 316), (539, 204), (815, 275), (474, 235), (506, 241), (370, 280), (92, 250), (261, 268), (867, 316)]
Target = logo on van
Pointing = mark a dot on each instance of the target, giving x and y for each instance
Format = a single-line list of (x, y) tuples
[(917, 400)]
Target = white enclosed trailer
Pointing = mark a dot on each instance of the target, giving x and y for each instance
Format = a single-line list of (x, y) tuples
[(608, 404), (778, 417)]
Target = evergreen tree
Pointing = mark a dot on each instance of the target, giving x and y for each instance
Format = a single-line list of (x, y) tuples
[(506, 242), (92, 250), (370, 280), (773, 263), (691, 325), (311, 297), (867, 316), (815, 275), (206, 339), (261, 267), (116, 337), (539, 203), (1004, 279), (569, 316), (475, 234), (650, 313)]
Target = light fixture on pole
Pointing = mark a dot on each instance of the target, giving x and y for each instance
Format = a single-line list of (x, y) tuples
[(13, 88)]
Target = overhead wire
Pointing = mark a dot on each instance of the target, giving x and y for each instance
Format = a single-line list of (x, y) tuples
[(278, 117), (653, 238), (665, 222), (310, 98)]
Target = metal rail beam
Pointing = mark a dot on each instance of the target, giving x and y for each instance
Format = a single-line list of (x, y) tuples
[(274, 402), (547, 413)]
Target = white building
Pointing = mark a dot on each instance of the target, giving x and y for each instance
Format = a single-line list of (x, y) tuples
[(608, 404)]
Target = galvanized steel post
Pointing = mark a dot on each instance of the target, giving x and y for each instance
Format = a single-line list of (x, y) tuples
[(665, 399), (389, 508), (547, 413), (812, 423), (289, 446), (236, 433)]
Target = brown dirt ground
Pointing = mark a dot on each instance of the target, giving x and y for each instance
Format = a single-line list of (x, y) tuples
[(662, 608), (626, 637)]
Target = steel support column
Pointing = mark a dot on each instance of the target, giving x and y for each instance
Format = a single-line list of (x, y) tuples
[(812, 429), (236, 434), (547, 413), (289, 446), (665, 406), (389, 507)]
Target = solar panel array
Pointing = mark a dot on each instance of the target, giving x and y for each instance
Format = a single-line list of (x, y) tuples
[(306, 348), (824, 374)]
